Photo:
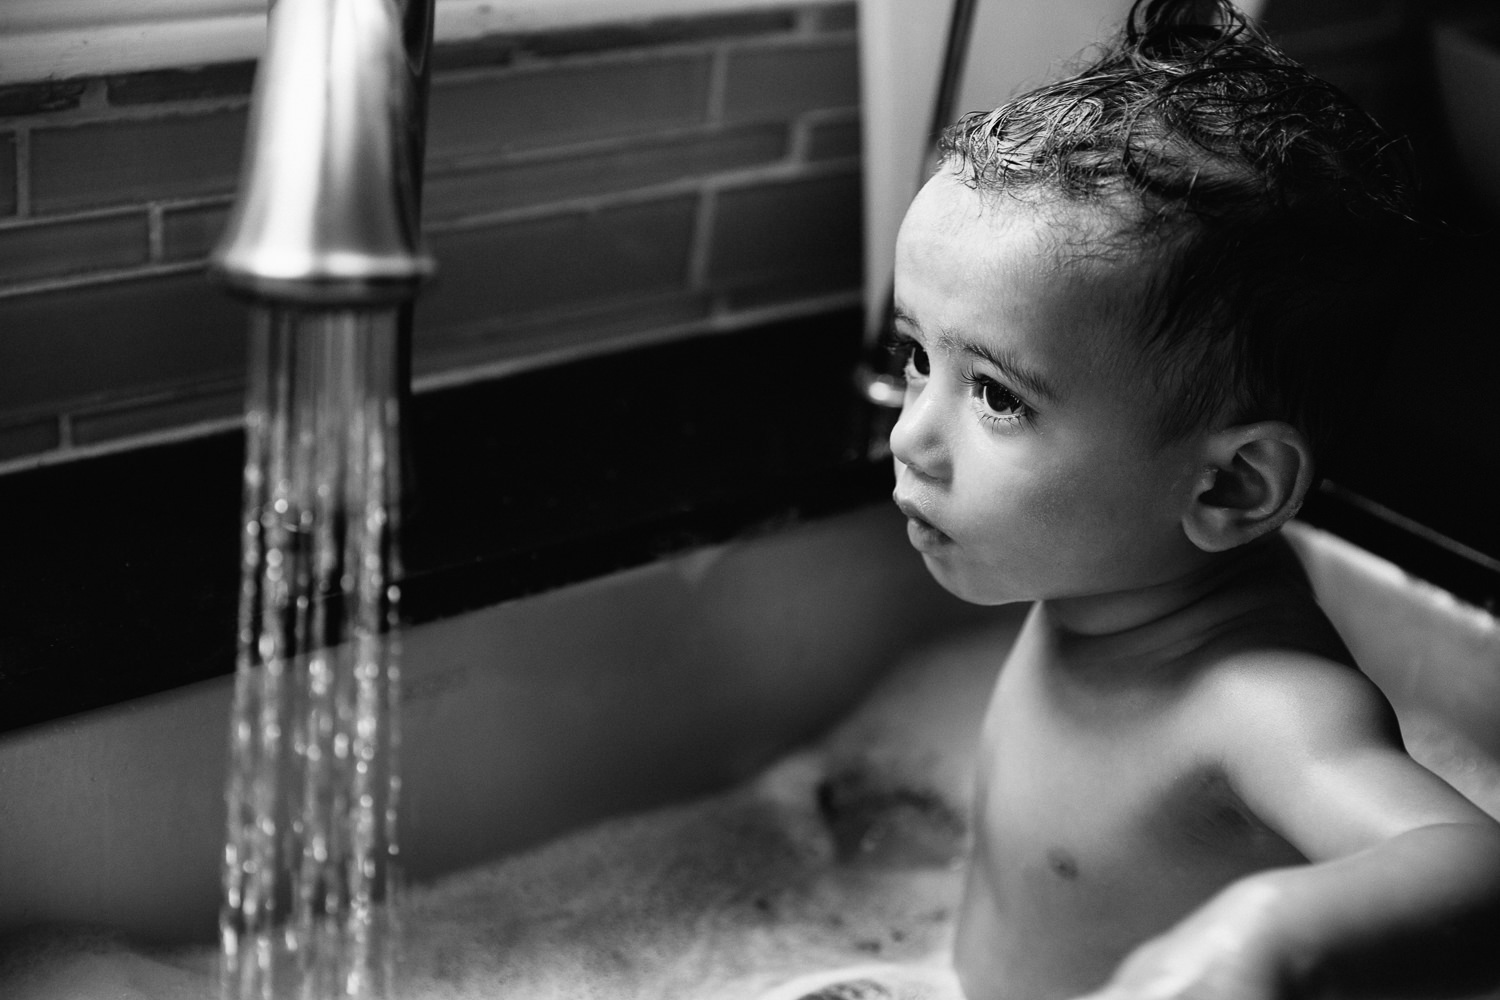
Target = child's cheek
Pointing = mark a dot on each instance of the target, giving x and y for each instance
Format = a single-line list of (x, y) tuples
[(1053, 505), (1058, 496), (1088, 509)]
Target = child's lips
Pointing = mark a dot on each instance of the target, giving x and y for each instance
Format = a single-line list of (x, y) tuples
[(924, 535)]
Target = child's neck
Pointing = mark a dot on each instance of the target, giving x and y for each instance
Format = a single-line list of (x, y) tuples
[(1161, 609)]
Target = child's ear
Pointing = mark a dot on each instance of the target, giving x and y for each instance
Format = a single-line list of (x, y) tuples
[(1254, 478)]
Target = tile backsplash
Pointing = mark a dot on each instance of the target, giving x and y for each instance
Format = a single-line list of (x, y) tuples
[(585, 188)]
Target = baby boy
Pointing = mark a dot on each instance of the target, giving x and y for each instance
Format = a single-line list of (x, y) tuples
[(1135, 306)]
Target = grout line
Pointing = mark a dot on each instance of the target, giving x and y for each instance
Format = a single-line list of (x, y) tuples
[(718, 85), (78, 215), (103, 114), (204, 389), (807, 21), (683, 52), (155, 234), (720, 322), (75, 453), (447, 164), (825, 116), (786, 170), (740, 319), (196, 201), (797, 40), (104, 402), (677, 51), (701, 251), (91, 279), (781, 170), (23, 172), (801, 141)]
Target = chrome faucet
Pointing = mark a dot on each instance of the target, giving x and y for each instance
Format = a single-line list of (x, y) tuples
[(328, 207)]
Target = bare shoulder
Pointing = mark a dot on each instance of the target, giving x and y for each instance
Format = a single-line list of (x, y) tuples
[(1276, 673), (1313, 748), (1281, 693), (1296, 687)]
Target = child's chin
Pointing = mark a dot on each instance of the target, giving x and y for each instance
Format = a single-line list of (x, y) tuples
[(963, 585)]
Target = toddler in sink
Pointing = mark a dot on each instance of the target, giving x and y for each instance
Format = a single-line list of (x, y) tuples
[(1134, 306)]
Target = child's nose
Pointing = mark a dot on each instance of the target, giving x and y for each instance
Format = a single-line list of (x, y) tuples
[(917, 439)]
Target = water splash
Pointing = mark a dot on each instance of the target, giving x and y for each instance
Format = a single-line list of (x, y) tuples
[(309, 863)]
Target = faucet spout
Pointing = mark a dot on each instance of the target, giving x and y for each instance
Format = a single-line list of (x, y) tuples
[(327, 212)]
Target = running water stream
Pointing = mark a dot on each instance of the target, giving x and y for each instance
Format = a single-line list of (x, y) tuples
[(324, 239), (309, 862)]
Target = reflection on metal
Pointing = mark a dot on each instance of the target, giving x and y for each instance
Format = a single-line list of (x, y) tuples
[(327, 208), (880, 388)]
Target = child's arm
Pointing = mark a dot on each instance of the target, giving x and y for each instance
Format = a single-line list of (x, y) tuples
[(1402, 895)]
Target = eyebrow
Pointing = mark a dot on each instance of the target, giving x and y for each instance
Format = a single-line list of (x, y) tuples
[(1029, 380)]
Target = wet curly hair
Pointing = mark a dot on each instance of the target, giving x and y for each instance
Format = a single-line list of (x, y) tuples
[(1282, 216)]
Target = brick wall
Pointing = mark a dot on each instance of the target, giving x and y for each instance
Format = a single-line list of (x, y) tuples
[(585, 190)]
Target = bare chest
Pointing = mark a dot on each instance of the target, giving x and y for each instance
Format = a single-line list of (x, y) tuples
[(1110, 784), (1101, 821), (1106, 816), (1115, 784)]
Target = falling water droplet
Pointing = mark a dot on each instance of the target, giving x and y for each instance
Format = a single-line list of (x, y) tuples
[(309, 878)]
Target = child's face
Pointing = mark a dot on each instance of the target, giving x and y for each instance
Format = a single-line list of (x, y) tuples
[(1025, 454)]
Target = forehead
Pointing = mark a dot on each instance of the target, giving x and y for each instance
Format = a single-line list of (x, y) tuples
[(1035, 273)]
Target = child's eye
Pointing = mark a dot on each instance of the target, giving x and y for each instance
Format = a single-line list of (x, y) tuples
[(998, 398), (998, 404), (907, 356), (917, 363)]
